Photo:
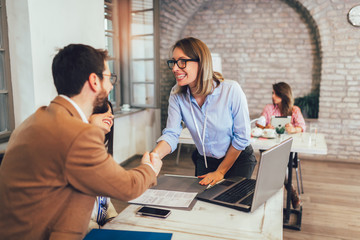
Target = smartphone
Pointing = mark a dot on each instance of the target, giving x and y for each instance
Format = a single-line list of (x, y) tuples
[(153, 212)]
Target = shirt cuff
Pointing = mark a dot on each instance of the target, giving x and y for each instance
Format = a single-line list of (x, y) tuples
[(152, 167)]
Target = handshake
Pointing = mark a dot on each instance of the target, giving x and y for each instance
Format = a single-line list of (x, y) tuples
[(153, 160)]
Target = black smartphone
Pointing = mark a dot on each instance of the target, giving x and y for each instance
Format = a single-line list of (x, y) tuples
[(153, 212)]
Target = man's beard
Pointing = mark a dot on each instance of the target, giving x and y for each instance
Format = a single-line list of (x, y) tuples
[(101, 101)]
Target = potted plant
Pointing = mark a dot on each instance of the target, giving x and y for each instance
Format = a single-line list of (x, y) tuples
[(309, 104)]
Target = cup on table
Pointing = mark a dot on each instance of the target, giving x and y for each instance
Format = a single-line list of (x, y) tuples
[(125, 107)]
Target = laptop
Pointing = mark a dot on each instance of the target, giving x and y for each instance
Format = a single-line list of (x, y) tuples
[(277, 121), (248, 194)]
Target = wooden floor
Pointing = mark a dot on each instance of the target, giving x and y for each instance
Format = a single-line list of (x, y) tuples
[(330, 202)]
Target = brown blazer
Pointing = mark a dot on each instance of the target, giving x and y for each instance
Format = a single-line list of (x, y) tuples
[(53, 168)]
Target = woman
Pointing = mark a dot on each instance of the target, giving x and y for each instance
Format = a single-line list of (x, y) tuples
[(215, 112), (103, 210), (283, 105)]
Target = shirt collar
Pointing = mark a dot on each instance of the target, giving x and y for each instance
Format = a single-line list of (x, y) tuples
[(215, 91), (81, 113)]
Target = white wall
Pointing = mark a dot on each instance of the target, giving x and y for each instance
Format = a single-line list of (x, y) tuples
[(137, 133), (37, 28)]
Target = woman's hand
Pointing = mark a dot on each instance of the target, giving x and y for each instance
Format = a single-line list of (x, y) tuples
[(290, 128), (211, 178)]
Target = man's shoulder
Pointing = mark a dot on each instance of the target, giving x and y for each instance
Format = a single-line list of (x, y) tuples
[(53, 120)]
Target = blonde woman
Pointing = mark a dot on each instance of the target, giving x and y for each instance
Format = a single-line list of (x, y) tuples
[(215, 112)]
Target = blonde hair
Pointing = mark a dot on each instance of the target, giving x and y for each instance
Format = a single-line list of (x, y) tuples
[(196, 49)]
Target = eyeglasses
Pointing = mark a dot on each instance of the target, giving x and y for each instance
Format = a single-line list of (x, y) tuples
[(113, 78), (181, 63)]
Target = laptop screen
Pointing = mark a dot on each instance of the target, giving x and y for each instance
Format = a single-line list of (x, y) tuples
[(271, 172)]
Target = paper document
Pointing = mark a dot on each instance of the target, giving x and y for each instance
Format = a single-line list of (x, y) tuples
[(165, 198)]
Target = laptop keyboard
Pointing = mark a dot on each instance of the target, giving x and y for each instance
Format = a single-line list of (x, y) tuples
[(237, 192)]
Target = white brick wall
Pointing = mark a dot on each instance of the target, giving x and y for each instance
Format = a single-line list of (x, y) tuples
[(262, 41)]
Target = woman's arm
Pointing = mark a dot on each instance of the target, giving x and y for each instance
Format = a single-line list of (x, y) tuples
[(297, 121), (162, 149), (169, 139), (292, 129), (213, 177)]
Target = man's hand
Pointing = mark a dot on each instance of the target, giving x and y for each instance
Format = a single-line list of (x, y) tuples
[(211, 178), (154, 160)]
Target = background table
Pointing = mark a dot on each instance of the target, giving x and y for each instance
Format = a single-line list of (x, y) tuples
[(302, 143)]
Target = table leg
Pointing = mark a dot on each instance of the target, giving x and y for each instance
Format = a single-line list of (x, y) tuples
[(288, 211), (178, 154)]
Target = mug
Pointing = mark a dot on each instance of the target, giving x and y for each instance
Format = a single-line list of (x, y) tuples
[(125, 107)]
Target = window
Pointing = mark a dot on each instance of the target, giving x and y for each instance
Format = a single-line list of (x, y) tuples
[(112, 45), (143, 57), (6, 101), (132, 41)]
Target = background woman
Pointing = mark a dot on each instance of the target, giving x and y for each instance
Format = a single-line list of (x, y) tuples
[(103, 210), (215, 112), (283, 105)]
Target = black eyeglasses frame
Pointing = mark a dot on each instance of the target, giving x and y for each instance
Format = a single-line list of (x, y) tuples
[(172, 61)]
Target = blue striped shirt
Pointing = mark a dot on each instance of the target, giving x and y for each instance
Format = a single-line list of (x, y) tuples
[(227, 120)]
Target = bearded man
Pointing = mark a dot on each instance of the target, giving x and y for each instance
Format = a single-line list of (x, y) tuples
[(56, 162)]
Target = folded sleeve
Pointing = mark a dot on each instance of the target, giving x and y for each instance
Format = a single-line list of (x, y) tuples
[(240, 111), (298, 119), (173, 125)]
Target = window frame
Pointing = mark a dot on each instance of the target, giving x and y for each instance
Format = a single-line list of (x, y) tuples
[(124, 87), (4, 135), (155, 58), (111, 8)]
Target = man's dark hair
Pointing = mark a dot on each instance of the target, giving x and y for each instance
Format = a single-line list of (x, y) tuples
[(73, 65)]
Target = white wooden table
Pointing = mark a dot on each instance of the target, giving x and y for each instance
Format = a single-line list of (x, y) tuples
[(208, 221), (302, 143)]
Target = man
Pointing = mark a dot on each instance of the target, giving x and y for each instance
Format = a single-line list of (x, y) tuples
[(56, 163)]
